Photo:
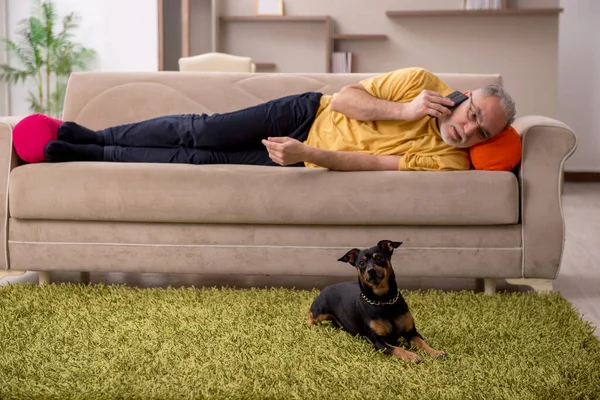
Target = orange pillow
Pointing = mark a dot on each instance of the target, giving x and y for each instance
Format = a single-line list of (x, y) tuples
[(501, 153)]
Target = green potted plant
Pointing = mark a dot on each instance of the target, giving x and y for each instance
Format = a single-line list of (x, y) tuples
[(46, 56)]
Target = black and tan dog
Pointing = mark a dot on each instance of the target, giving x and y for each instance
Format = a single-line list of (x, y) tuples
[(373, 307)]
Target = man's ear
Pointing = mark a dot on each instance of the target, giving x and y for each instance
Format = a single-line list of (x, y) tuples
[(350, 257), (388, 245)]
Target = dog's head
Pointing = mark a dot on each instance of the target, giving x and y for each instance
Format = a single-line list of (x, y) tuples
[(373, 264)]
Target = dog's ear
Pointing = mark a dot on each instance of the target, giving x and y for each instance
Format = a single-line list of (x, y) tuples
[(388, 245), (350, 257)]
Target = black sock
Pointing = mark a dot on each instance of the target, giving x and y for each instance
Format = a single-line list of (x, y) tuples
[(59, 151), (72, 132)]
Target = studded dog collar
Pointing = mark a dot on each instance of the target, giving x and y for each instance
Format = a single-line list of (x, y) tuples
[(380, 303)]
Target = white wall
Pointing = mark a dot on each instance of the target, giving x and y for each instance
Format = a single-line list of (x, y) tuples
[(124, 33), (579, 80)]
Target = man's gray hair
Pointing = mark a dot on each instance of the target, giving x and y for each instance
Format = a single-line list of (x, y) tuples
[(506, 101)]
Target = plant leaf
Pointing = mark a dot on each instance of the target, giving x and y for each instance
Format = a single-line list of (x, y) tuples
[(45, 56)]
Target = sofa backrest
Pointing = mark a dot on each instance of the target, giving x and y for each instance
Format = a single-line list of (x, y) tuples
[(102, 99)]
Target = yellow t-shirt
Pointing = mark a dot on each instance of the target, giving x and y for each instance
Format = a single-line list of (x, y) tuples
[(419, 142)]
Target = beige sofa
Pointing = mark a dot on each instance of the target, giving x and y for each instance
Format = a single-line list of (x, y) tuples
[(253, 220)]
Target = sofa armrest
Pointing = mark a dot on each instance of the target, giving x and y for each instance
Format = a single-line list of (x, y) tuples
[(8, 161), (547, 144)]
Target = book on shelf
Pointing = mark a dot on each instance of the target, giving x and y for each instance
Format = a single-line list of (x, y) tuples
[(483, 4), (341, 62)]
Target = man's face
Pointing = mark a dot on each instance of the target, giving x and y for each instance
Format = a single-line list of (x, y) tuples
[(476, 120)]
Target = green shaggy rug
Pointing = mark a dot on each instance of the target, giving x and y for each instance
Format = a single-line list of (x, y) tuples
[(66, 341)]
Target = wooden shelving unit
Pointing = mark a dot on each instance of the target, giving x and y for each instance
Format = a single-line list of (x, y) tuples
[(342, 37), (325, 19), (332, 39), (275, 18), (458, 13), (351, 36)]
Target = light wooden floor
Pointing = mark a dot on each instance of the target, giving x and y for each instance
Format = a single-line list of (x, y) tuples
[(579, 276), (578, 280)]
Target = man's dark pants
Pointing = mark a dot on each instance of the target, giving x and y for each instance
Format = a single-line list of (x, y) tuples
[(229, 138)]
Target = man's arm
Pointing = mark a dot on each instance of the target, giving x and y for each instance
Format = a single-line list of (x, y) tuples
[(355, 102), (286, 151)]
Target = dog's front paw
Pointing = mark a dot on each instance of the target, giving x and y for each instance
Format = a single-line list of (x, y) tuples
[(406, 355), (439, 354), (416, 359)]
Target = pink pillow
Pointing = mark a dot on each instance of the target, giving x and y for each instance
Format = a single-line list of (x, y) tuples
[(31, 135)]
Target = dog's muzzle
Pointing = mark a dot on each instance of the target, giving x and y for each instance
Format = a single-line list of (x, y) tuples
[(373, 275)]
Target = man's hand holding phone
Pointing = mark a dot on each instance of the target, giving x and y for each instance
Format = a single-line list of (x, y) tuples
[(457, 98), (428, 103)]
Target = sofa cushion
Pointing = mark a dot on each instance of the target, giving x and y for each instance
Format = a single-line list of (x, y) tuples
[(261, 195)]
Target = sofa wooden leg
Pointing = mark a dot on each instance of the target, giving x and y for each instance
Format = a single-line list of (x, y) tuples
[(5, 273), (539, 285), (85, 278), (44, 277), (489, 286)]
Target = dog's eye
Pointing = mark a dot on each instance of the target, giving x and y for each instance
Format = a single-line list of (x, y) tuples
[(361, 263), (377, 258)]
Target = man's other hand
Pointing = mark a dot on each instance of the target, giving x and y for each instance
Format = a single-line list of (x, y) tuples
[(285, 150)]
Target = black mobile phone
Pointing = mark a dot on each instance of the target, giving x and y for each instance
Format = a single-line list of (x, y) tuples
[(457, 97)]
